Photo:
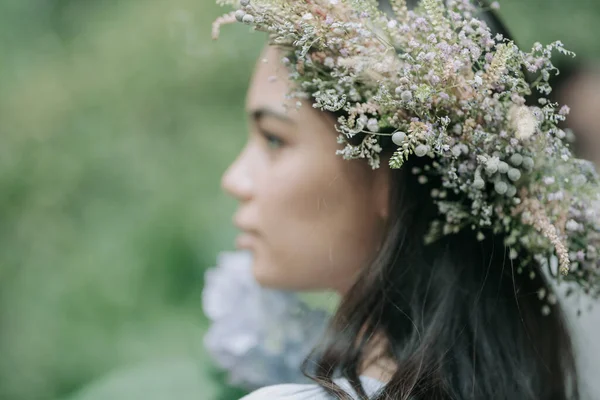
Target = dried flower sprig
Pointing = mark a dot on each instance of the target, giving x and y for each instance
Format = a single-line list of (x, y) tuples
[(444, 87)]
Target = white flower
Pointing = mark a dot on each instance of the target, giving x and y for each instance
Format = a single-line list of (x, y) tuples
[(421, 150), (572, 225), (260, 336), (501, 187), (406, 95), (492, 165), (398, 138), (523, 121), (239, 15), (373, 125)]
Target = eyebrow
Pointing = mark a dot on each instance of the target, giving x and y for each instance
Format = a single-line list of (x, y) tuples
[(263, 112)]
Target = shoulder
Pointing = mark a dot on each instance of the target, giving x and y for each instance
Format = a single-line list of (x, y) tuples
[(310, 391)]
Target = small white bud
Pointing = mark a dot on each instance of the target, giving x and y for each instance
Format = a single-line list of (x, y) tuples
[(541, 293), (478, 183), (503, 167), (406, 96), (248, 19), (239, 14), (528, 163), (512, 191), (532, 275), (329, 62), (546, 310), (421, 150), (516, 159), (523, 121), (572, 225), (456, 150), (398, 138), (491, 165), (514, 174), (500, 187), (373, 125)]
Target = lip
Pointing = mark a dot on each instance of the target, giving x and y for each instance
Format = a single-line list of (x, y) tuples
[(243, 226), (247, 236), (245, 241)]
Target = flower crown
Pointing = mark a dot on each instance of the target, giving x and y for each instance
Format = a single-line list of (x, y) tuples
[(439, 84)]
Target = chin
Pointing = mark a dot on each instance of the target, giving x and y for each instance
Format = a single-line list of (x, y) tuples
[(271, 277), (264, 275)]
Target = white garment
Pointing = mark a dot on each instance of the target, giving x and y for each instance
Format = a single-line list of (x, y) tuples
[(585, 331), (311, 391)]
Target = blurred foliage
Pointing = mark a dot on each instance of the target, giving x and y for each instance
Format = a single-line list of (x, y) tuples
[(117, 119), (116, 123)]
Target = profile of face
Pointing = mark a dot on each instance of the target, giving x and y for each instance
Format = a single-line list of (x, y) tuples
[(311, 219)]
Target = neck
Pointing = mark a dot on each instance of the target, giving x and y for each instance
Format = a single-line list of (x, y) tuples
[(377, 364)]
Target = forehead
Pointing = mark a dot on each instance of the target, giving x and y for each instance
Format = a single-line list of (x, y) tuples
[(270, 85), (268, 89)]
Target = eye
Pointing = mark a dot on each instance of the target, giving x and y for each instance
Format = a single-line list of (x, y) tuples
[(273, 141)]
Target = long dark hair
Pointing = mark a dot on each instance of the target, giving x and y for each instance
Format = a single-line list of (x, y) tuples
[(457, 319)]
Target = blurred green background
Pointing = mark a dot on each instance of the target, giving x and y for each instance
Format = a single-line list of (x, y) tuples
[(117, 118)]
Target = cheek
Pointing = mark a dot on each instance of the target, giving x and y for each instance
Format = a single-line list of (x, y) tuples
[(318, 224)]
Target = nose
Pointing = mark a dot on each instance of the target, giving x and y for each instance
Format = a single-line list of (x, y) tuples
[(236, 180)]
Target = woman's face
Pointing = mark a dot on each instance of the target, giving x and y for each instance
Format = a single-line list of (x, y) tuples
[(310, 218)]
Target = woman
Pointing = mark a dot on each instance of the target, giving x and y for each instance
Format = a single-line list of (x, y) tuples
[(441, 260)]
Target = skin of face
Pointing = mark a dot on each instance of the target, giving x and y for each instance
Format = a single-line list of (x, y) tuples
[(311, 219)]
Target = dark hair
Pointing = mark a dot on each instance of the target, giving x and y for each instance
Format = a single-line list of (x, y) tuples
[(457, 319)]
